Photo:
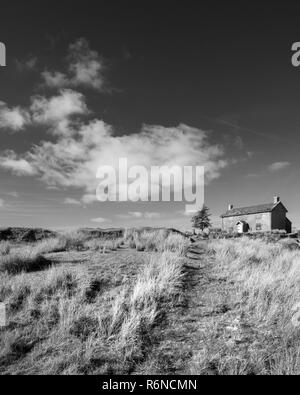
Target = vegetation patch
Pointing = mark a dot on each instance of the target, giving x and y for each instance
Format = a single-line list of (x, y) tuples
[(27, 260)]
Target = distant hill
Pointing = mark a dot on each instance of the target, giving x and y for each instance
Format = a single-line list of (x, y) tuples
[(25, 234), (29, 235)]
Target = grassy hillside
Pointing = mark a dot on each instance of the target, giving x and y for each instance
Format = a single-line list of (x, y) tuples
[(149, 302)]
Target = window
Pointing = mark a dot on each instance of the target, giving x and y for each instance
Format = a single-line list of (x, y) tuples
[(258, 226)]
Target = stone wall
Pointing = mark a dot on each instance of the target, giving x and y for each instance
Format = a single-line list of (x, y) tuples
[(257, 222)]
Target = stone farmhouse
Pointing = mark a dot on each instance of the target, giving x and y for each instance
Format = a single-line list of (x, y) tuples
[(260, 218)]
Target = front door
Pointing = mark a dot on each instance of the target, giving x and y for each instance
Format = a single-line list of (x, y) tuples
[(240, 227)]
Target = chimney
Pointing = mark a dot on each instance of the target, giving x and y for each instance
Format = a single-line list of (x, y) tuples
[(276, 199), (230, 207)]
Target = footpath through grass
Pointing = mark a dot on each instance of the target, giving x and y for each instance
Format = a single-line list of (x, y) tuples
[(238, 314)]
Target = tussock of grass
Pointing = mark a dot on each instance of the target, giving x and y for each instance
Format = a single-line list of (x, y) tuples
[(27, 260), (144, 240), (47, 246), (176, 243), (156, 241)]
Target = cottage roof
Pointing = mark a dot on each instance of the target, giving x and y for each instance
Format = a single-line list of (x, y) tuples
[(261, 208)]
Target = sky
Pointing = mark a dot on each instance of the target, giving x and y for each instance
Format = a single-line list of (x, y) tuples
[(160, 83)]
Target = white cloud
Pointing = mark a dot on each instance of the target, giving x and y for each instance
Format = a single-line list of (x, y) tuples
[(85, 69), (13, 118), (279, 166), (80, 149), (86, 65), (100, 220), (185, 213), (72, 201), (58, 108), (55, 111), (19, 166), (135, 214), (140, 215), (89, 198), (1, 203), (55, 79)]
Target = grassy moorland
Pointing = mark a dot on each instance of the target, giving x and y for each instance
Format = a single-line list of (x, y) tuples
[(86, 306), (150, 302)]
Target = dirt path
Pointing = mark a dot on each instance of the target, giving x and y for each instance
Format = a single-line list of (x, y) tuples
[(203, 303)]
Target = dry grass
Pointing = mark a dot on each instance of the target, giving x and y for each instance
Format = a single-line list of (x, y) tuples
[(47, 246), (145, 240), (175, 243), (100, 313), (4, 247), (68, 320), (104, 245), (156, 241), (264, 328), (76, 240), (26, 259), (136, 311)]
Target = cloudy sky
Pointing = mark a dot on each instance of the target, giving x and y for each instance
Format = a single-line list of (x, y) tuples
[(185, 83)]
